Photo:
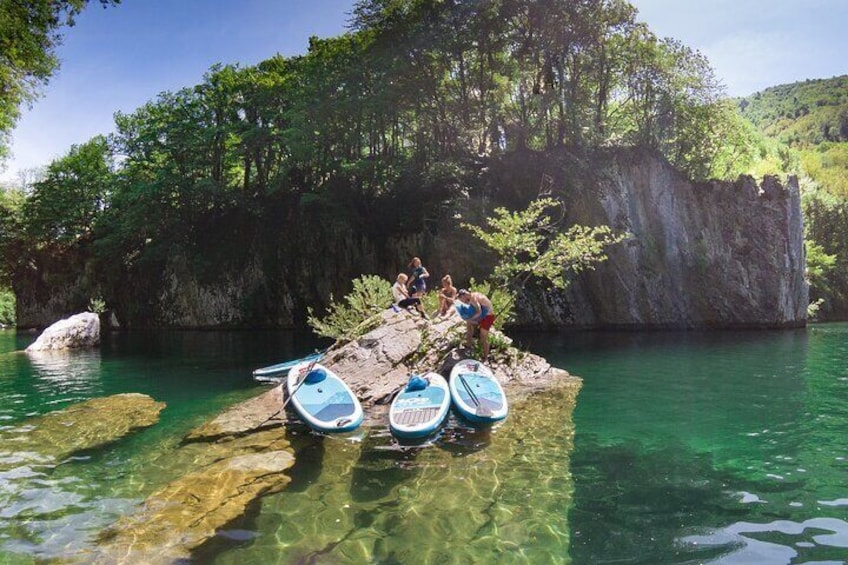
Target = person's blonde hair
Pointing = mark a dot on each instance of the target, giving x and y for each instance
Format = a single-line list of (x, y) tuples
[(402, 277), (447, 279)]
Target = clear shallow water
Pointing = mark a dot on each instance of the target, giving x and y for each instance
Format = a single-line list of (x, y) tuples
[(684, 448)]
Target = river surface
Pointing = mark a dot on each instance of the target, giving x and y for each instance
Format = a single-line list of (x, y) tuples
[(721, 447)]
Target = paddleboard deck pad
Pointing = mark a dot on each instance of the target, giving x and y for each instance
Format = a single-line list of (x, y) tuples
[(420, 408), (322, 399), (476, 393)]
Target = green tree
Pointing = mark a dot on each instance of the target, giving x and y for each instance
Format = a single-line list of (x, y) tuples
[(7, 307), (30, 32), (530, 243), (11, 238), (66, 204)]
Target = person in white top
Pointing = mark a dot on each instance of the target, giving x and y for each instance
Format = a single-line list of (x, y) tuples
[(403, 298)]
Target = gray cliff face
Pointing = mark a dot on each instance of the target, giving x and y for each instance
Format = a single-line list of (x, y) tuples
[(711, 255), (699, 255)]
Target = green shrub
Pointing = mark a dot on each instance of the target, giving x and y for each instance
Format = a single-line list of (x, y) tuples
[(358, 313), (7, 307)]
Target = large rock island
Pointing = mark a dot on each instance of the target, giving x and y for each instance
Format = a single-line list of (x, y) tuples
[(378, 364)]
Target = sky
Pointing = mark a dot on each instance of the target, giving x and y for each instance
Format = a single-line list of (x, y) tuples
[(118, 58)]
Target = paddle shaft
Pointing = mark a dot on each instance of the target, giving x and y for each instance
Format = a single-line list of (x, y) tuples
[(468, 390)]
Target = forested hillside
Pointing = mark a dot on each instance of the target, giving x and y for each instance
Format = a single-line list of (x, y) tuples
[(811, 118), (801, 114), (379, 128)]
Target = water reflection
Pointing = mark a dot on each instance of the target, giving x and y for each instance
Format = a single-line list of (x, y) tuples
[(66, 375), (778, 542)]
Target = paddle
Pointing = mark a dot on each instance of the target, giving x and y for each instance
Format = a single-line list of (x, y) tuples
[(297, 386), (481, 410), (304, 373)]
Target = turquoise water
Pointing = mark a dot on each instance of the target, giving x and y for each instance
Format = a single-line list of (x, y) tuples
[(709, 447), (684, 448)]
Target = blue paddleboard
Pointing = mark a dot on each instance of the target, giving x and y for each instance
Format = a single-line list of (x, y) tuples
[(476, 393), (420, 408), (322, 399), (275, 372)]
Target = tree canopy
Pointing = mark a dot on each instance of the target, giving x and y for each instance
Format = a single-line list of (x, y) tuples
[(400, 113), (30, 32)]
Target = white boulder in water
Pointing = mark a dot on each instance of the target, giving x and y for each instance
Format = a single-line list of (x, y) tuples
[(80, 330)]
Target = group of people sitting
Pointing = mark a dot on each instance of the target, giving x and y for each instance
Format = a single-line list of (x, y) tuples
[(473, 307)]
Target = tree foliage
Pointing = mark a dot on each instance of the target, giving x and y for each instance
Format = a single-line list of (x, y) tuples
[(382, 126), (12, 240), (530, 243), (7, 307), (65, 205), (801, 114), (30, 32)]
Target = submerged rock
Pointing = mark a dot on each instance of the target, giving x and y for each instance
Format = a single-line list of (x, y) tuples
[(79, 427), (250, 415), (189, 511), (78, 331)]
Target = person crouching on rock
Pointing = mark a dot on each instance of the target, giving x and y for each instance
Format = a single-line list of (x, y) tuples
[(403, 298), (476, 309)]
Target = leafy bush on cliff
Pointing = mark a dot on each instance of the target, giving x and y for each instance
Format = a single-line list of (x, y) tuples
[(7, 307), (532, 243)]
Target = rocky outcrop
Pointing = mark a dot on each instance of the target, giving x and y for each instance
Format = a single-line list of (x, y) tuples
[(78, 331), (708, 255), (714, 255), (88, 425), (378, 364), (244, 453)]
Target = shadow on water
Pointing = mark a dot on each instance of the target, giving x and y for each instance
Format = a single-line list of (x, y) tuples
[(632, 501), (383, 465)]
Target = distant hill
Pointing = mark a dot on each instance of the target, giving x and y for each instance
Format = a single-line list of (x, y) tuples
[(801, 114)]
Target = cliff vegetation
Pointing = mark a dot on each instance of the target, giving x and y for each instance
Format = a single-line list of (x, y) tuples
[(292, 177), (808, 124)]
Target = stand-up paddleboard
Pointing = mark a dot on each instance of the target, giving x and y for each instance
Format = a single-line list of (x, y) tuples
[(476, 393), (322, 399), (420, 408), (277, 372)]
